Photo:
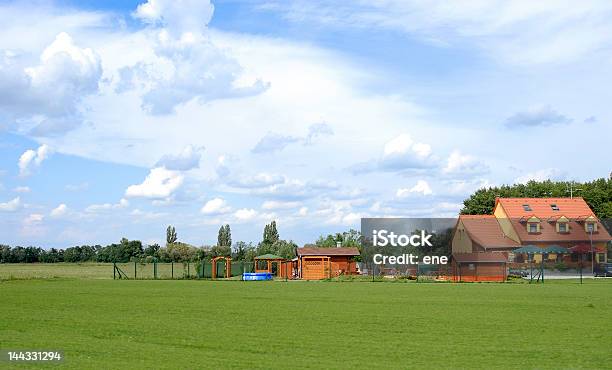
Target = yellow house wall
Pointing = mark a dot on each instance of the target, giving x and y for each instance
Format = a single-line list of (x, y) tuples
[(505, 223), (461, 241)]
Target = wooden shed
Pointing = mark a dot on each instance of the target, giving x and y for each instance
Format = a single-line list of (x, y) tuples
[(325, 263), (479, 266)]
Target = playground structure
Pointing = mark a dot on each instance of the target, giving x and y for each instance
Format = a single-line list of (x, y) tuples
[(310, 264), (227, 273), (273, 264)]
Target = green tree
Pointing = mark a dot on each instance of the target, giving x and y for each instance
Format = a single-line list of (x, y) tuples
[(270, 235), (241, 249), (152, 250), (224, 237), (171, 235), (221, 250), (351, 238)]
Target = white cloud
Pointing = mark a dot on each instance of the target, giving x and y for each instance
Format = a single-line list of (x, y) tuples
[(34, 218), (186, 66), (274, 205), (537, 116), (31, 158), (45, 97), (22, 189), (303, 211), (187, 160), (215, 206), (541, 175), (123, 203), (259, 180), (11, 205), (176, 16), (399, 145), (273, 142), (245, 214), (401, 154), (59, 211), (420, 188), (464, 165), (520, 32), (159, 183)]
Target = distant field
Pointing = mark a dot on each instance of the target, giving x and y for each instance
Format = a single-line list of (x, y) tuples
[(204, 324), (56, 270)]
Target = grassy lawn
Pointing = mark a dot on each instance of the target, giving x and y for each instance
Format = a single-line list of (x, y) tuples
[(56, 270), (204, 324)]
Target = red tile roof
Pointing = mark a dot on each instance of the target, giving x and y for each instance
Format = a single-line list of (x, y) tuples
[(486, 232), (548, 232), (541, 207), (574, 209), (480, 257), (308, 251)]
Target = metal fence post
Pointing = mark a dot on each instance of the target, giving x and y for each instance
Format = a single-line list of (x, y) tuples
[(172, 273), (114, 270), (188, 272), (373, 271), (154, 269), (134, 270)]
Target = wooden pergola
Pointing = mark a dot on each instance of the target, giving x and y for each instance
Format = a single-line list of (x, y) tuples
[(228, 266), (270, 259)]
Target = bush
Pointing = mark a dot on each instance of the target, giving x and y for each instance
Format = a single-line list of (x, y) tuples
[(561, 266)]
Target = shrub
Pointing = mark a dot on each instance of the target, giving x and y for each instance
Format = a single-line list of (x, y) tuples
[(561, 266)]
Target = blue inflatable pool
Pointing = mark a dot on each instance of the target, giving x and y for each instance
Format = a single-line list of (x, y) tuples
[(252, 276)]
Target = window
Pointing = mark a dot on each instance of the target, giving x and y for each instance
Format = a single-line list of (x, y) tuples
[(554, 207), (533, 227), (590, 227), (601, 257), (526, 207), (562, 227)]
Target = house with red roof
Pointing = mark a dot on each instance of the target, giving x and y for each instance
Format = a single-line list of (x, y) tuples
[(541, 222)]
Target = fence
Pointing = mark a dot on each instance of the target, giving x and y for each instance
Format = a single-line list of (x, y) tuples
[(418, 272), (178, 270)]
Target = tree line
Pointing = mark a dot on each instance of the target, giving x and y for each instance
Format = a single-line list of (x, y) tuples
[(174, 250)]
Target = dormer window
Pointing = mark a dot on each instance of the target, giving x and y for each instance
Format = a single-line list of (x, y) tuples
[(591, 227), (590, 223), (562, 224), (532, 227), (554, 207), (533, 224)]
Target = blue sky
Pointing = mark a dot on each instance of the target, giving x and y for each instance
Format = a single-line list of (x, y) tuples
[(118, 118)]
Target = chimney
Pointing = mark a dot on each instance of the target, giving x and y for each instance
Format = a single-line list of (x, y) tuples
[(338, 244)]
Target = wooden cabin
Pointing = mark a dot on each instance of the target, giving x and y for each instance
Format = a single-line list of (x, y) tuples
[(483, 266), (325, 263)]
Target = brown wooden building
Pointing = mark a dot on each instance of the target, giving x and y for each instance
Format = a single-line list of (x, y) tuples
[(479, 266), (325, 263)]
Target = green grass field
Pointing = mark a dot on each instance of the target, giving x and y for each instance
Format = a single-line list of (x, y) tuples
[(56, 270), (204, 324)]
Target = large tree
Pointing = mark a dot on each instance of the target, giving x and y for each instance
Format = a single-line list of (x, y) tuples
[(597, 194), (171, 235), (270, 234), (351, 238), (224, 238)]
